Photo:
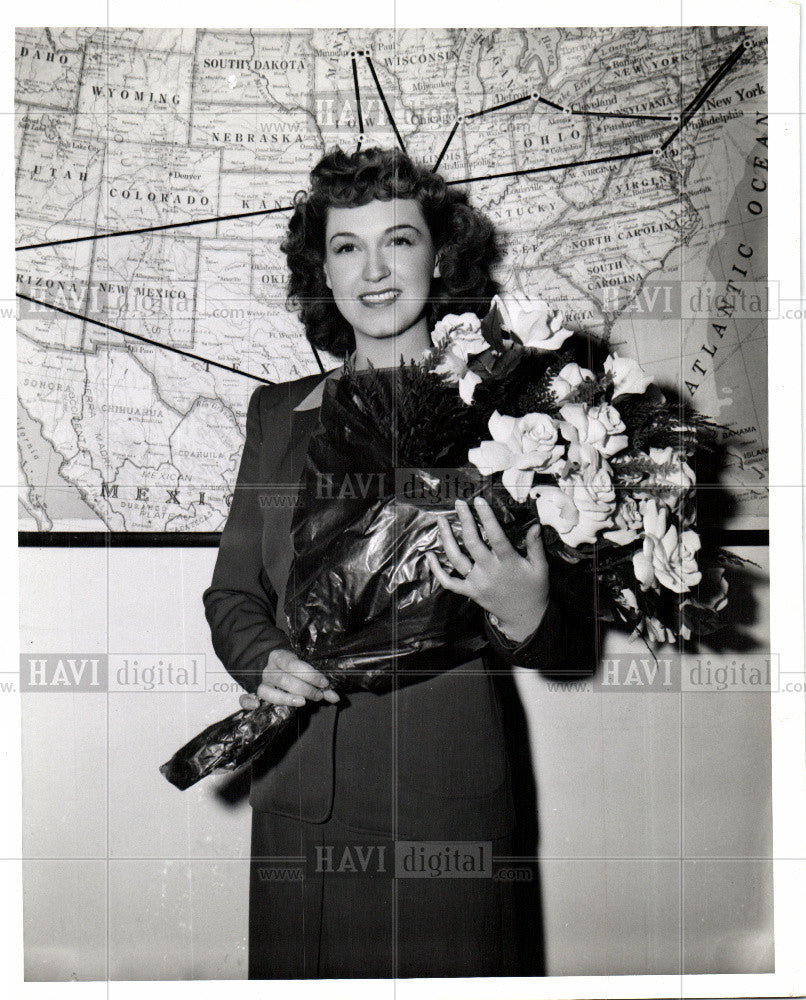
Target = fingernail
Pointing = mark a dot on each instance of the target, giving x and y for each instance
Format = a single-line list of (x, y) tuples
[(297, 700)]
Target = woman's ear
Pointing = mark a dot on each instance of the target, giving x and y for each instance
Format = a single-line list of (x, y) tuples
[(436, 267), (327, 277)]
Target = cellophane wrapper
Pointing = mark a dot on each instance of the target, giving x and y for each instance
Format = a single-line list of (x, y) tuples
[(361, 603)]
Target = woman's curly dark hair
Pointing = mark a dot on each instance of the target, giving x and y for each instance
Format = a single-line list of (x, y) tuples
[(464, 240)]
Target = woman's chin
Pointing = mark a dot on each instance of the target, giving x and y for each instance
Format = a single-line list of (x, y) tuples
[(384, 332)]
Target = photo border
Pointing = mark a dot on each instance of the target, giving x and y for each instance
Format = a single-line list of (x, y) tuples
[(786, 500)]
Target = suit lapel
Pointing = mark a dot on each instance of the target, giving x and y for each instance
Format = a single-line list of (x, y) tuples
[(278, 549)]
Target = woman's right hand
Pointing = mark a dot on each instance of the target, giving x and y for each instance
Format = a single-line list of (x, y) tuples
[(288, 680)]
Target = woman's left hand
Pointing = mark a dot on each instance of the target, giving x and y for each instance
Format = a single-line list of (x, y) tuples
[(508, 585)]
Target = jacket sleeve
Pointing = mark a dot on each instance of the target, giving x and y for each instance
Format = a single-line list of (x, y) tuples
[(240, 604), (566, 643)]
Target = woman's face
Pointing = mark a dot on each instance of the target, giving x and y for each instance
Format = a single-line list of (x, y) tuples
[(379, 264)]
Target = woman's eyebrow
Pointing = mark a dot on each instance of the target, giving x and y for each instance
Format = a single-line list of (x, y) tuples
[(400, 225)]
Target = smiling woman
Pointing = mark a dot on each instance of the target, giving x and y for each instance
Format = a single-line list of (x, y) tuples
[(379, 250), (463, 240), (379, 264)]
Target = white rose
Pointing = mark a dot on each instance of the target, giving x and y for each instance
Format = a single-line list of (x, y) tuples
[(579, 507), (567, 379), (520, 446), (532, 321), (610, 419), (462, 332), (592, 432), (666, 558), (627, 599), (628, 376), (462, 339), (628, 522)]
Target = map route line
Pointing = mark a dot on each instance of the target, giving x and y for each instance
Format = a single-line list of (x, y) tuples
[(550, 104), (686, 116), (290, 208), (155, 229), (145, 340), (620, 114), (689, 111), (555, 166), (715, 78), (445, 147), (383, 101), (357, 102), (704, 92), (495, 107)]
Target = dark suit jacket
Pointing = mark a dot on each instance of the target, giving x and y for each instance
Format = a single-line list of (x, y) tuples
[(428, 758)]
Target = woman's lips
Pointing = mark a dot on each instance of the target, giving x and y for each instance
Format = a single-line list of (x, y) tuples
[(379, 299)]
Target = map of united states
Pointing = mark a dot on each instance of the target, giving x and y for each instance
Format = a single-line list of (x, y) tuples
[(138, 353)]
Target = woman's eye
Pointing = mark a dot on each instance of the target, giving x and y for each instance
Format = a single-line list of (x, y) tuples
[(348, 247)]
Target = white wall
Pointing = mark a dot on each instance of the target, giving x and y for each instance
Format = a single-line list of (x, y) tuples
[(654, 810)]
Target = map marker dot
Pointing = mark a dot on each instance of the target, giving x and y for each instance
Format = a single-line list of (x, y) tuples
[(748, 43)]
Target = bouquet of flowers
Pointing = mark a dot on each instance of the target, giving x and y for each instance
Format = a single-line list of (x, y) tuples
[(599, 456), (500, 407)]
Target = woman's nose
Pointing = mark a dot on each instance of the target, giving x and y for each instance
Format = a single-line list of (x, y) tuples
[(375, 265)]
